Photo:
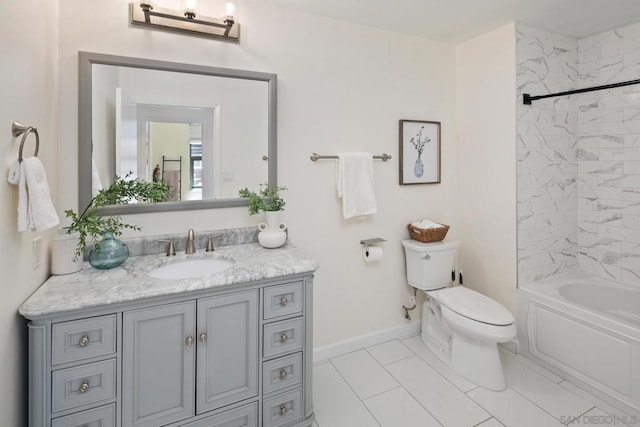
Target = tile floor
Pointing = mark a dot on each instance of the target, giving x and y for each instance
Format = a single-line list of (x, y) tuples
[(402, 384)]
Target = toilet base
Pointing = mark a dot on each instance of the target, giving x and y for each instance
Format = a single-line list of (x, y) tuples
[(478, 361), (475, 358)]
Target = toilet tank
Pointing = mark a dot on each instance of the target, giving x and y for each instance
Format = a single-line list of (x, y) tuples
[(429, 265)]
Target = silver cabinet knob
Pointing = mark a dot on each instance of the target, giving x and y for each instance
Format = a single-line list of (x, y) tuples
[(203, 337), (189, 341), (283, 374), (283, 410), (84, 340), (84, 386), (284, 337), (284, 301)]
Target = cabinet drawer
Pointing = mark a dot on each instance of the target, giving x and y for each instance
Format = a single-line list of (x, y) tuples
[(81, 339), (283, 337), (245, 416), (83, 385), (281, 372), (282, 409), (282, 300), (99, 417)]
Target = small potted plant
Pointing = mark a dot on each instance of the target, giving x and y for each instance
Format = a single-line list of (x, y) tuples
[(111, 252), (268, 200)]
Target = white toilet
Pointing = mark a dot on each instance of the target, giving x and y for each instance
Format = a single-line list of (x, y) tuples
[(463, 327)]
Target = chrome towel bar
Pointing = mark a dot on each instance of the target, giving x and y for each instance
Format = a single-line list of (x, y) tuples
[(315, 156)]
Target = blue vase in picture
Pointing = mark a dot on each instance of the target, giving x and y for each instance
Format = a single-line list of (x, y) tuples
[(108, 253), (418, 168)]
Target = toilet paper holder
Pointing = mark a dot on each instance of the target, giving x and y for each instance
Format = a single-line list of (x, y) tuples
[(372, 241), (371, 252)]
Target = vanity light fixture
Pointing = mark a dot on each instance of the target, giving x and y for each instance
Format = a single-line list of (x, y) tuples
[(188, 20)]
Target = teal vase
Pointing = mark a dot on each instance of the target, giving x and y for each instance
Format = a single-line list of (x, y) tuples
[(108, 253)]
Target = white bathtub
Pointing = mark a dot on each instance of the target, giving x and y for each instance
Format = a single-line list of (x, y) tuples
[(587, 330)]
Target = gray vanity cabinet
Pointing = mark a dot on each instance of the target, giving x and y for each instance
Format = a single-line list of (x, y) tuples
[(159, 365), (236, 356)]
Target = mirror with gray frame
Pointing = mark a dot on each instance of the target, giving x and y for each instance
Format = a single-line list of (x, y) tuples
[(206, 132)]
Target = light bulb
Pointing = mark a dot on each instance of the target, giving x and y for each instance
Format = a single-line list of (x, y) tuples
[(230, 9), (191, 5)]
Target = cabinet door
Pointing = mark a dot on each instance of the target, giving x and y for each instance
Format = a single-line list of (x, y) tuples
[(158, 365), (227, 349)]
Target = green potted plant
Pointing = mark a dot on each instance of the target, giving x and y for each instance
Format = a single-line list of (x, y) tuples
[(268, 200), (111, 252)]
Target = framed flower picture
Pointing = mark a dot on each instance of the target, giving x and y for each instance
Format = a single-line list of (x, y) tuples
[(419, 152)]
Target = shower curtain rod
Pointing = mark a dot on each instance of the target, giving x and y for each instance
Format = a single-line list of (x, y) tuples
[(526, 98)]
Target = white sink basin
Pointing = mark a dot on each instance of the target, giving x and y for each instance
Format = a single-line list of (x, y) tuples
[(191, 268)]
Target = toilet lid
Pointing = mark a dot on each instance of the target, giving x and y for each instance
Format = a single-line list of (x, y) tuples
[(475, 306)]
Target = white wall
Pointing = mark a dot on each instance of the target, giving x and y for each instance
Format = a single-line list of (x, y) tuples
[(341, 87), (485, 72), (28, 51)]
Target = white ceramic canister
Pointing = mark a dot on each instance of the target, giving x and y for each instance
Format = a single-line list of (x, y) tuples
[(63, 251), (272, 234)]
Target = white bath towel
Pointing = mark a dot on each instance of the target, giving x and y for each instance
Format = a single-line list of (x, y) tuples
[(354, 181), (35, 210)]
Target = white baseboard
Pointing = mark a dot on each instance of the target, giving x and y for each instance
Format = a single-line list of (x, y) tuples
[(320, 354)]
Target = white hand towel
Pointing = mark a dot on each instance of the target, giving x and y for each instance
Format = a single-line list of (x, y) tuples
[(17, 177), (354, 181), (40, 211), (24, 216)]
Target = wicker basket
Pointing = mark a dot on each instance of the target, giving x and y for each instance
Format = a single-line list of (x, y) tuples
[(427, 235)]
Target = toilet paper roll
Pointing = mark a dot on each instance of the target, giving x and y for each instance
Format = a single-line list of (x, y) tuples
[(372, 253)]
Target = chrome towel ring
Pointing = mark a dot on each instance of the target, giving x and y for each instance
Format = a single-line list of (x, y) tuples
[(18, 129)]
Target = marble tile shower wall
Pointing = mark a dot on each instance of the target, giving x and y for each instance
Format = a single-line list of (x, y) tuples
[(609, 155), (547, 138)]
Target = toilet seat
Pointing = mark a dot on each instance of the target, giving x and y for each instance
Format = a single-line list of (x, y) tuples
[(474, 306)]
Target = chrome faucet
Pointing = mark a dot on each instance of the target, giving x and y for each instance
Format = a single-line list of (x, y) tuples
[(171, 249), (210, 247), (191, 247)]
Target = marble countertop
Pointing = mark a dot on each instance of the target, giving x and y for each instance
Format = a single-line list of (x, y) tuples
[(130, 281)]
